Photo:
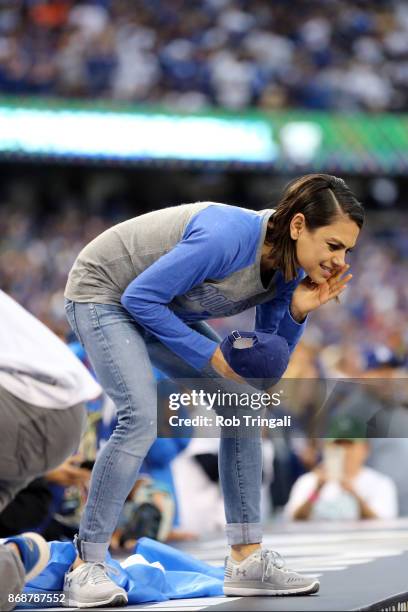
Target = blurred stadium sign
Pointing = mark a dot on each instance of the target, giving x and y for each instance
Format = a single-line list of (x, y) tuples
[(285, 141), (88, 133)]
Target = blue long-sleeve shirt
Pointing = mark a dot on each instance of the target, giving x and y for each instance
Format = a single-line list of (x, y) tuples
[(184, 264)]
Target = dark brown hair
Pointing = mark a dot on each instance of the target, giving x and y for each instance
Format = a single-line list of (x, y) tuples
[(320, 198)]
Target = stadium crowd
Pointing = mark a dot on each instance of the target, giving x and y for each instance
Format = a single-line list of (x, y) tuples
[(342, 55)]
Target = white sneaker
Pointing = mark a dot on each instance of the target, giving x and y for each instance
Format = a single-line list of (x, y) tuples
[(264, 573), (89, 586)]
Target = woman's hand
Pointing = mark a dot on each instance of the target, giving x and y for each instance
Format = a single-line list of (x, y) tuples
[(308, 295), (221, 366)]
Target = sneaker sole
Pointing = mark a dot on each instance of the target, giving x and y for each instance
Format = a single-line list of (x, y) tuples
[(115, 600), (233, 591), (44, 557)]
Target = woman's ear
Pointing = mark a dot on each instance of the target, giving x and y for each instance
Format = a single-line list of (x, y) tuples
[(297, 225)]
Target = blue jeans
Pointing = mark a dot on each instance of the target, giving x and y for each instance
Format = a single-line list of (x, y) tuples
[(122, 353)]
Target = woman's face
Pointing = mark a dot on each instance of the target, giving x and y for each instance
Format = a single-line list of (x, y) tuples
[(322, 252)]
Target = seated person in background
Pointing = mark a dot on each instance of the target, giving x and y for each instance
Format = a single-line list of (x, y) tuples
[(34, 506), (342, 487), (201, 507), (27, 510)]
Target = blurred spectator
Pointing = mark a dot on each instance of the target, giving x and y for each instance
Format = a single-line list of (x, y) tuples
[(35, 506), (201, 505), (379, 398), (339, 55), (342, 487), (27, 510)]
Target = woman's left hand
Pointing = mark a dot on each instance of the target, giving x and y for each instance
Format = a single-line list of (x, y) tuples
[(308, 295)]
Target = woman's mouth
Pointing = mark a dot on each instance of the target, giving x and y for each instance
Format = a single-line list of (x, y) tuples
[(326, 271)]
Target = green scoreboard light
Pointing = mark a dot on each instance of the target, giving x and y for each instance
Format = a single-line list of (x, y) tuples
[(285, 142)]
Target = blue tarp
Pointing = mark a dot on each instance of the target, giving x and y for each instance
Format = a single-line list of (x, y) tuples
[(183, 575)]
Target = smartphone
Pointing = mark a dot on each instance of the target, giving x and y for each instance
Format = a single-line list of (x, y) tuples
[(333, 462)]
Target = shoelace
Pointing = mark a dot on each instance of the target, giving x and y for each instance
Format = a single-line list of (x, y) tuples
[(96, 571), (270, 560)]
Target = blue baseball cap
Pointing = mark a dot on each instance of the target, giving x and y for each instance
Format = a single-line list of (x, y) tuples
[(258, 357)]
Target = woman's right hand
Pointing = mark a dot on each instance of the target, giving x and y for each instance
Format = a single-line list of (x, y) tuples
[(222, 367)]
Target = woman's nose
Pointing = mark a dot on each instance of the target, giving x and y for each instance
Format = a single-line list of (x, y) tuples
[(339, 261)]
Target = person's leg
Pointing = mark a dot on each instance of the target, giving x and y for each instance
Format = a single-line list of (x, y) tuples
[(11, 479), (249, 569), (21, 559), (34, 441), (12, 576), (240, 455), (117, 351)]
